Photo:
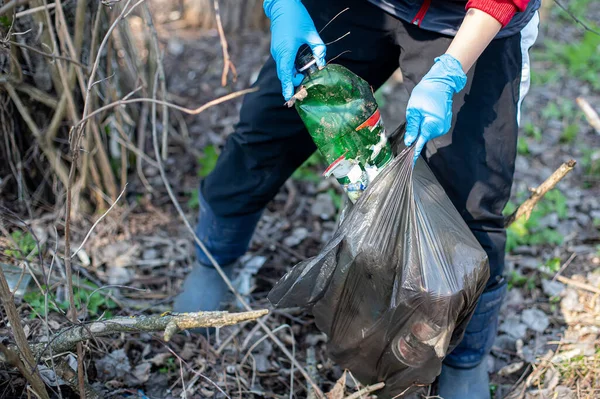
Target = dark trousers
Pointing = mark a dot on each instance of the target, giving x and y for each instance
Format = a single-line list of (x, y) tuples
[(474, 162)]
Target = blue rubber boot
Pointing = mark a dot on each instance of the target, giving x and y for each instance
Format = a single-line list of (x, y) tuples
[(472, 383), (227, 239), (464, 373)]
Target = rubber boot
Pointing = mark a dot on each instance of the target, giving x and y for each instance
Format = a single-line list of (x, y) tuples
[(203, 289), (227, 239), (472, 383)]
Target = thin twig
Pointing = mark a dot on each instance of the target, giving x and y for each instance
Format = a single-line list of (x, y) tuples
[(97, 60), (577, 284), (564, 266), (334, 18), (366, 390), (188, 111), (338, 56), (98, 221), (226, 59), (580, 22), (538, 193), (34, 10), (163, 81), (12, 4), (338, 39)]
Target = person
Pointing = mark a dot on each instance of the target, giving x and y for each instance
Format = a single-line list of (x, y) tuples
[(466, 66)]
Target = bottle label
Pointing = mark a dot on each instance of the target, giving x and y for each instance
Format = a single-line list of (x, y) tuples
[(350, 175), (355, 171), (371, 123)]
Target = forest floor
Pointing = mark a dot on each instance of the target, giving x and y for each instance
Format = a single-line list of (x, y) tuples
[(549, 334)]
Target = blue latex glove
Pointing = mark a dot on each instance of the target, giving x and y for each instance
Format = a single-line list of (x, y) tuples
[(429, 110), (291, 27)]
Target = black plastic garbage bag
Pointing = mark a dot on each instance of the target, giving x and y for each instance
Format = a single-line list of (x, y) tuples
[(397, 283)]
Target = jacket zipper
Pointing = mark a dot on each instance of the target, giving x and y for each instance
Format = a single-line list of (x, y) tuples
[(421, 14)]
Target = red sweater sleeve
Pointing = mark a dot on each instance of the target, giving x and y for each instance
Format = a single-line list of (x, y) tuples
[(502, 10)]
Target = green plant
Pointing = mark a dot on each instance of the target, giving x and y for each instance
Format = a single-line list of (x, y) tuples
[(5, 21), (493, 389), (591, 161), (308, 170), (578, 8), (516, 279), (533, 131), (169, 367), (528, 232), (207, 161), (194, 201), (580, 58), (544, 77), (569, 134), (26, 245), (553, 265), (522, 146), (87, 294)]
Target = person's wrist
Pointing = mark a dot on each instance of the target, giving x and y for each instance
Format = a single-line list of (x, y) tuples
[(452, 70)]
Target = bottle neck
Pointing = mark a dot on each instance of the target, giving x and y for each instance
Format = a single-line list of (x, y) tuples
[(309, 68)]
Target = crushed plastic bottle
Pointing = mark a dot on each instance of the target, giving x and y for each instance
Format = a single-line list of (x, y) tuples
[(341, 114)]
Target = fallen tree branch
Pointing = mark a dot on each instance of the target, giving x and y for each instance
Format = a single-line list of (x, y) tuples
[(590, 114), (66, 339), (538, 193)]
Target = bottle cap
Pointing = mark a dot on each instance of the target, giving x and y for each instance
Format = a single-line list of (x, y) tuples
[(305, 60)]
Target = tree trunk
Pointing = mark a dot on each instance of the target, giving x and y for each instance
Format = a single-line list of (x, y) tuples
[(237, 16)]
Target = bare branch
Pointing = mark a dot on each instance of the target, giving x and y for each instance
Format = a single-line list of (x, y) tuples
[(538, 193), (98, 221), (48, 55), (226, 59), (188, 111), (580, 22), (32, 376), (34, 10), (12, 4)]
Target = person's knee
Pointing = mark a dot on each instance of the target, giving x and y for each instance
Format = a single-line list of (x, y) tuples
[(226, 238)]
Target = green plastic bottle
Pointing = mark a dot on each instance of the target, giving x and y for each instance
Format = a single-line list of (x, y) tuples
[(341, 114)]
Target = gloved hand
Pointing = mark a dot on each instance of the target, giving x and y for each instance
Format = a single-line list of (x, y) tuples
[(429, 110), (291, 27)]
